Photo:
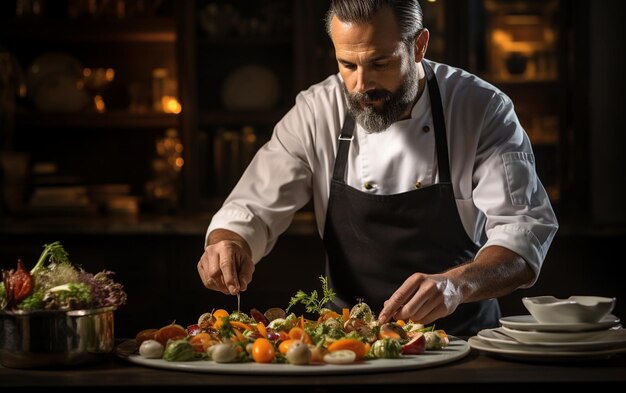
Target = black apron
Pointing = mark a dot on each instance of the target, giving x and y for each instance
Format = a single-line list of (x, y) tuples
[(375, 242)]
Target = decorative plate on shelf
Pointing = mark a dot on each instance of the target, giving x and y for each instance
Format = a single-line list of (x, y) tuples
[(54, 83)]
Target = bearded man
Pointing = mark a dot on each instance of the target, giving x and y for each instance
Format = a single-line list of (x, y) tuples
[(421, 176)]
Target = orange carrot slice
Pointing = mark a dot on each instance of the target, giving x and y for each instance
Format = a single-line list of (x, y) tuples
[(352, 344)]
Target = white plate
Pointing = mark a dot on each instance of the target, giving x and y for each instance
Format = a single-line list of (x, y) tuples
[(546, 356), (456, 350), (527, 322), (501, 340), (536, 337)]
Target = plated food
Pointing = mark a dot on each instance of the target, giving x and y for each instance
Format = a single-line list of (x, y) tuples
[(279, 336)]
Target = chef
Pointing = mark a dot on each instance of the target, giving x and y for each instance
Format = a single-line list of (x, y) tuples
[(422, 178)]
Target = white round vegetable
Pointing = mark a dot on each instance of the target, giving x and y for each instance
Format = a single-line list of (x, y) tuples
[(151, 349), (298, 353), (224, 353), (342, 356)]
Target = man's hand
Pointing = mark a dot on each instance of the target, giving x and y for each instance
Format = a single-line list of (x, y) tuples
[(424, 298), (226, 264)]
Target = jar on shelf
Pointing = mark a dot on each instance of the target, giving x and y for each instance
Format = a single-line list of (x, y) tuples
[(163, 191)]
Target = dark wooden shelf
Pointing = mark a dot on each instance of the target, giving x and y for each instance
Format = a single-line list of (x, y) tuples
[(238, 42), (159, 30), (225, 118), (539, 82), (109, 120), (190, 224)]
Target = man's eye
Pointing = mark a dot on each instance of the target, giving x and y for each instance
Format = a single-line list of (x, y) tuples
[(381, 64), (349, 66)]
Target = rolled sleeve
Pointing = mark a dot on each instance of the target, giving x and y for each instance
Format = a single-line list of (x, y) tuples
[(245, 225), (523, 242)]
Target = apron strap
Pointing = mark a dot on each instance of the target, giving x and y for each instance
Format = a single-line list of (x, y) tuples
[(346, 136), (441, 139)]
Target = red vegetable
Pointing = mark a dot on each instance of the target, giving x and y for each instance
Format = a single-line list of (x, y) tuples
[(18, 284), (415, 346)]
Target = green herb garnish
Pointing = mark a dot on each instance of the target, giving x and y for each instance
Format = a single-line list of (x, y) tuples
[(55, 252), (311, 301)]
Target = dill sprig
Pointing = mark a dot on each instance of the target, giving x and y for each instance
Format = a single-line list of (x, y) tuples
[(312, 301)]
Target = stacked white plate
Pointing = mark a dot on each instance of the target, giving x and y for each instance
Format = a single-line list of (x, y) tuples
[(522, 337)]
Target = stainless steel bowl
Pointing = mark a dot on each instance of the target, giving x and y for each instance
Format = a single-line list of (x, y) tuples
[(37, 339)]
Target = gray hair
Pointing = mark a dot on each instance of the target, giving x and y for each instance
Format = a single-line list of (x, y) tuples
[(408, 13)]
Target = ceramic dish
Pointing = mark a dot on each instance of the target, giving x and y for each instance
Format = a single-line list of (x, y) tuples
[(543, 356), (456, 350), (528, 322), (499, 339), (575, 309), (532, 336)]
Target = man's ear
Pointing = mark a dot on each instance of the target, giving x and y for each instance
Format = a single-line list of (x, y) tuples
[(421, 45)]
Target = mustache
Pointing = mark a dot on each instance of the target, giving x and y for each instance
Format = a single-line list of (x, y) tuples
[(372, 95)]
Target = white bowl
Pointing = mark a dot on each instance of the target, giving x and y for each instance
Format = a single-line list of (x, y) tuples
[(575, 309)]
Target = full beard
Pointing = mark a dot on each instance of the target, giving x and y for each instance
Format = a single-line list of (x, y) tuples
[(393, 104)]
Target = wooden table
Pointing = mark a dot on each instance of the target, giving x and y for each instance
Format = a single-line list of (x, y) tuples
[(477, 371)]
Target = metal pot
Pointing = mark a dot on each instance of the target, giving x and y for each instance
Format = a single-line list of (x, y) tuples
[(35, 339)]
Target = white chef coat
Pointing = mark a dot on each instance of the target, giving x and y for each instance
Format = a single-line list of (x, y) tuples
[(501, 200)]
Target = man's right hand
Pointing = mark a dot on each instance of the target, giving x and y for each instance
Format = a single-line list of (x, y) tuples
[(226, 264)]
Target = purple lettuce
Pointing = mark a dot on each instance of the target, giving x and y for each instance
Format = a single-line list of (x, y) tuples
[(104, 290)]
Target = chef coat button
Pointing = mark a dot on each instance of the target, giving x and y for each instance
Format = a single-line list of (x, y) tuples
[(426, 129), (368, 185), (418, 184)]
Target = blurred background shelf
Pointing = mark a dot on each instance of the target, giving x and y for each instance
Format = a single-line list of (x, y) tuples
[(137, 30), (110, 120)]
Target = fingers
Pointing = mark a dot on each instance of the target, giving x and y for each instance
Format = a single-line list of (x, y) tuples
[(225, 267), (228, 268), (399, 298), (207, 278), (421, 298), (421, 307), (245, 274)]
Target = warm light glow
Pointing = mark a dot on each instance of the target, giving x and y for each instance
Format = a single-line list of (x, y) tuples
[(109, 74), (179, 162), (170, 105), (99, 103)]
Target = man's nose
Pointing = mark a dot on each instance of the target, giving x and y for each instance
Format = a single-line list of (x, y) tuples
[(362, 80)]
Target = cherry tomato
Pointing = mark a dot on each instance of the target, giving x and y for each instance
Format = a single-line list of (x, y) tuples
[(263, 351), (297, 333), (283, 347)]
